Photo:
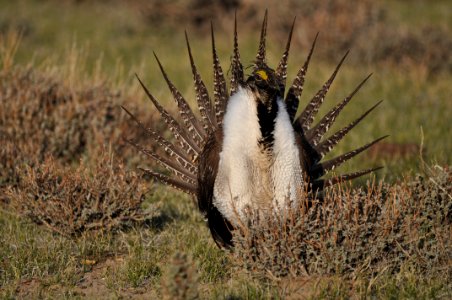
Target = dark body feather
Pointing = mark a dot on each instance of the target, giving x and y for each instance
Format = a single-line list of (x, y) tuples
[(219, 226)]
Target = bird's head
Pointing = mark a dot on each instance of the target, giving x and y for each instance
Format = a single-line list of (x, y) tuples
[(264, 84)]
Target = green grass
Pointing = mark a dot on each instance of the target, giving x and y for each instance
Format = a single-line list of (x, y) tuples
[(108, 42), (419, 12)]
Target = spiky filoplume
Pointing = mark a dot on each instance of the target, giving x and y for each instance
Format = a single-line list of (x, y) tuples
[(229, 168)]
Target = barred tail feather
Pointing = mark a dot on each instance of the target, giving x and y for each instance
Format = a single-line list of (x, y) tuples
[(281, 70), (315, 134), (322, 168), (219, 84), (202, 95), (190, 121), (175, 183), (320, 184), (295, 91), (185, 139), (171, 150), (260, 56), (237, 75), (327, 145), (176, 170), (307, 116)]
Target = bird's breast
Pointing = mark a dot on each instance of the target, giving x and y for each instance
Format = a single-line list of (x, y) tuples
[(251, 176)]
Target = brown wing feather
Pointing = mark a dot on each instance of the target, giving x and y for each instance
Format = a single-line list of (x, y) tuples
[(207, 172)]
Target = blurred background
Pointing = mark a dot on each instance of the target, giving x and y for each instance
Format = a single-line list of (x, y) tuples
[(79, 47)]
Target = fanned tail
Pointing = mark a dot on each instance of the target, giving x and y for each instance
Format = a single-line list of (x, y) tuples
[(321, 169), (171, 150), (178, 160), (186, 141), (182, 173), (312, 145), (175, 183)]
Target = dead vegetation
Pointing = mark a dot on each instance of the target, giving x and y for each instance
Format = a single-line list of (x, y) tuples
[(53, 164), (357, 233), (41, 117), (71, 201)]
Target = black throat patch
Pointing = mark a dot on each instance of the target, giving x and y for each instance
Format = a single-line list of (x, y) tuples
[(266, 115)]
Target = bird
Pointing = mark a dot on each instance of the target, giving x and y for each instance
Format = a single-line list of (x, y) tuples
[(248, 148)]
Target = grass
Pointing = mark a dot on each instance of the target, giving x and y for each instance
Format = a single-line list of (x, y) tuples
[(80, 46)]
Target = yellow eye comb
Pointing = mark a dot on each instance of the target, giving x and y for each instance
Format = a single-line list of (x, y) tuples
[(262, 74)]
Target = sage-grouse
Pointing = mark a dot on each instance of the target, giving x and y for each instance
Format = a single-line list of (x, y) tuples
[(247, 149)]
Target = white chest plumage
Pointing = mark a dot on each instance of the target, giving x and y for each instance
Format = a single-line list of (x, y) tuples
[(248, 177)]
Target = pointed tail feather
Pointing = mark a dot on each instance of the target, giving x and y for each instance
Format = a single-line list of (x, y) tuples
[(202, 96), (175, 183), (315, 134), (324, 183), (322, 168), (173, 152), (236, 66), (295, 91), (190, 121), (219, 84), (185, 140), (308, 114), (327, 145), (281, 70), (260, 56), (176, 170)]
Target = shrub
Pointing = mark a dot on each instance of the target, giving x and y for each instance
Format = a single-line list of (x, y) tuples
[(40, 116), (354, 232), (72, 201)]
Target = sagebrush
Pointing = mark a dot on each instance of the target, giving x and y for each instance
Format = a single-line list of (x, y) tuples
[(71, 201), (363, 232), (40, 117)]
